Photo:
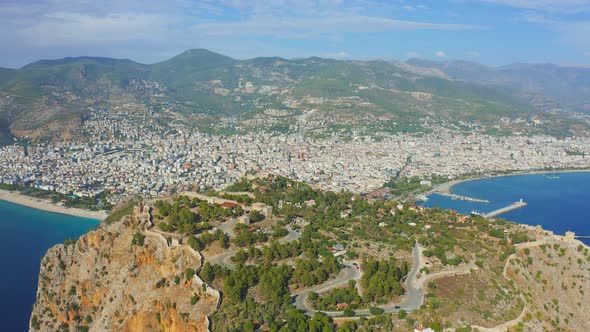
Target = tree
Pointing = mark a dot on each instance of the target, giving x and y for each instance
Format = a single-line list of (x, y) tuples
[(348, 312), (376, 311), (402, 314), (279, 232), (208, 273), (223, 240), (195, 243), (313, 296), (255, 216), (350, 326)]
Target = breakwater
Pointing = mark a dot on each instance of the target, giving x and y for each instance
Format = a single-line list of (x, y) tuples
[(513, 206), (463, 198)]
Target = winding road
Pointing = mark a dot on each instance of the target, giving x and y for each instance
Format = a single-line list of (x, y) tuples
[(413, 300)]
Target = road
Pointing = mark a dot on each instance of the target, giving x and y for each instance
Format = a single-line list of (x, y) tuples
[(350, 272), (224, 258), (413, 300)]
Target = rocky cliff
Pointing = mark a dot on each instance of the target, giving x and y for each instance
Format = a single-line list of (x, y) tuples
[(121, 277)]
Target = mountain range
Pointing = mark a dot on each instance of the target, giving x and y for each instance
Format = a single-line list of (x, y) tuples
[(50, 99)]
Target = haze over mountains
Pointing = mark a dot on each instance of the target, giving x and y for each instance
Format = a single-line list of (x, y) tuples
[(568, 87), (50, 98)]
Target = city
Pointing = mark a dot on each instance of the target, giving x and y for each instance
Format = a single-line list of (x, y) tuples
[(130, 156)]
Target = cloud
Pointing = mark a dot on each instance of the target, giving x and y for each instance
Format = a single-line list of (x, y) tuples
[(64, 28), (570, 32), (473, 54), (440, 54), (557, 6), (304, 26)]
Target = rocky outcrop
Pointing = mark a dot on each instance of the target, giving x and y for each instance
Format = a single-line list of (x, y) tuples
[(121, 278)]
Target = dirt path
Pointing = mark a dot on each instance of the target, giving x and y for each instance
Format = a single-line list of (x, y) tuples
[(465, 269), (506, 325)]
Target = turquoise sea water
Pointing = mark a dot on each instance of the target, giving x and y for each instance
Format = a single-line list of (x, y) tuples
[(558, 202), (25, 236)]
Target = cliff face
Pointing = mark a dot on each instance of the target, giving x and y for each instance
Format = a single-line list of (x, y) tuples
[(121, 278)]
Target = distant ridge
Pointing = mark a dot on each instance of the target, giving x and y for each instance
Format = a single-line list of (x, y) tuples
[(567, 86)]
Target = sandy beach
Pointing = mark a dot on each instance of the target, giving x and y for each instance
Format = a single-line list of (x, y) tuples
[(40, 204), (446, 187)]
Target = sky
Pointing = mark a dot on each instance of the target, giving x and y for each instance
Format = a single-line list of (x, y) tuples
[(492, 32)]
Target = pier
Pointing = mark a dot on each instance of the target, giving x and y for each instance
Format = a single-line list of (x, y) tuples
[(463, 198), (513, 206)]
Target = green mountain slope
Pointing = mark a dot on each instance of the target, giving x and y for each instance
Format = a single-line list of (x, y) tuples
[(205, 87)]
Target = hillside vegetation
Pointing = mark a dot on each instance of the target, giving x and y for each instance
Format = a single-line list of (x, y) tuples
[(50, 98)]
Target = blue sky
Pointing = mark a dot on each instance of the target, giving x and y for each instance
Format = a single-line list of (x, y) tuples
[(493, 32)]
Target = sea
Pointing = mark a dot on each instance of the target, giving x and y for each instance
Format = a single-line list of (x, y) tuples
[(558, 201), (25, 236)]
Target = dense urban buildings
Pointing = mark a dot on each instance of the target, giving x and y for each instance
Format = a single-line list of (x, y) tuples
[(131, 154)]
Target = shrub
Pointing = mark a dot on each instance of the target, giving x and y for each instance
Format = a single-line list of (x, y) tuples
[(402, 314), (189, 273), (194, 299), (70, 242), (138, 239), (496, 233)]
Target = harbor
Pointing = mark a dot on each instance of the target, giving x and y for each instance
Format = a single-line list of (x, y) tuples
[(463, 198)]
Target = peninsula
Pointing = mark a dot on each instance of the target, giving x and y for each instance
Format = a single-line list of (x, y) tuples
[(289, 256)]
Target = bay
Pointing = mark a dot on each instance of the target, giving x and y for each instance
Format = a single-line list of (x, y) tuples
[(558, 202), (25, 236)]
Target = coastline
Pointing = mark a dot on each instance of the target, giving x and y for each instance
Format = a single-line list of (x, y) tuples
[(446, 188), (40, 204)]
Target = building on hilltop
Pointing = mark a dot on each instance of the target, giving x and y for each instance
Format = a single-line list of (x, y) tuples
[(423, 329), (245, 219), (263, 209)]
